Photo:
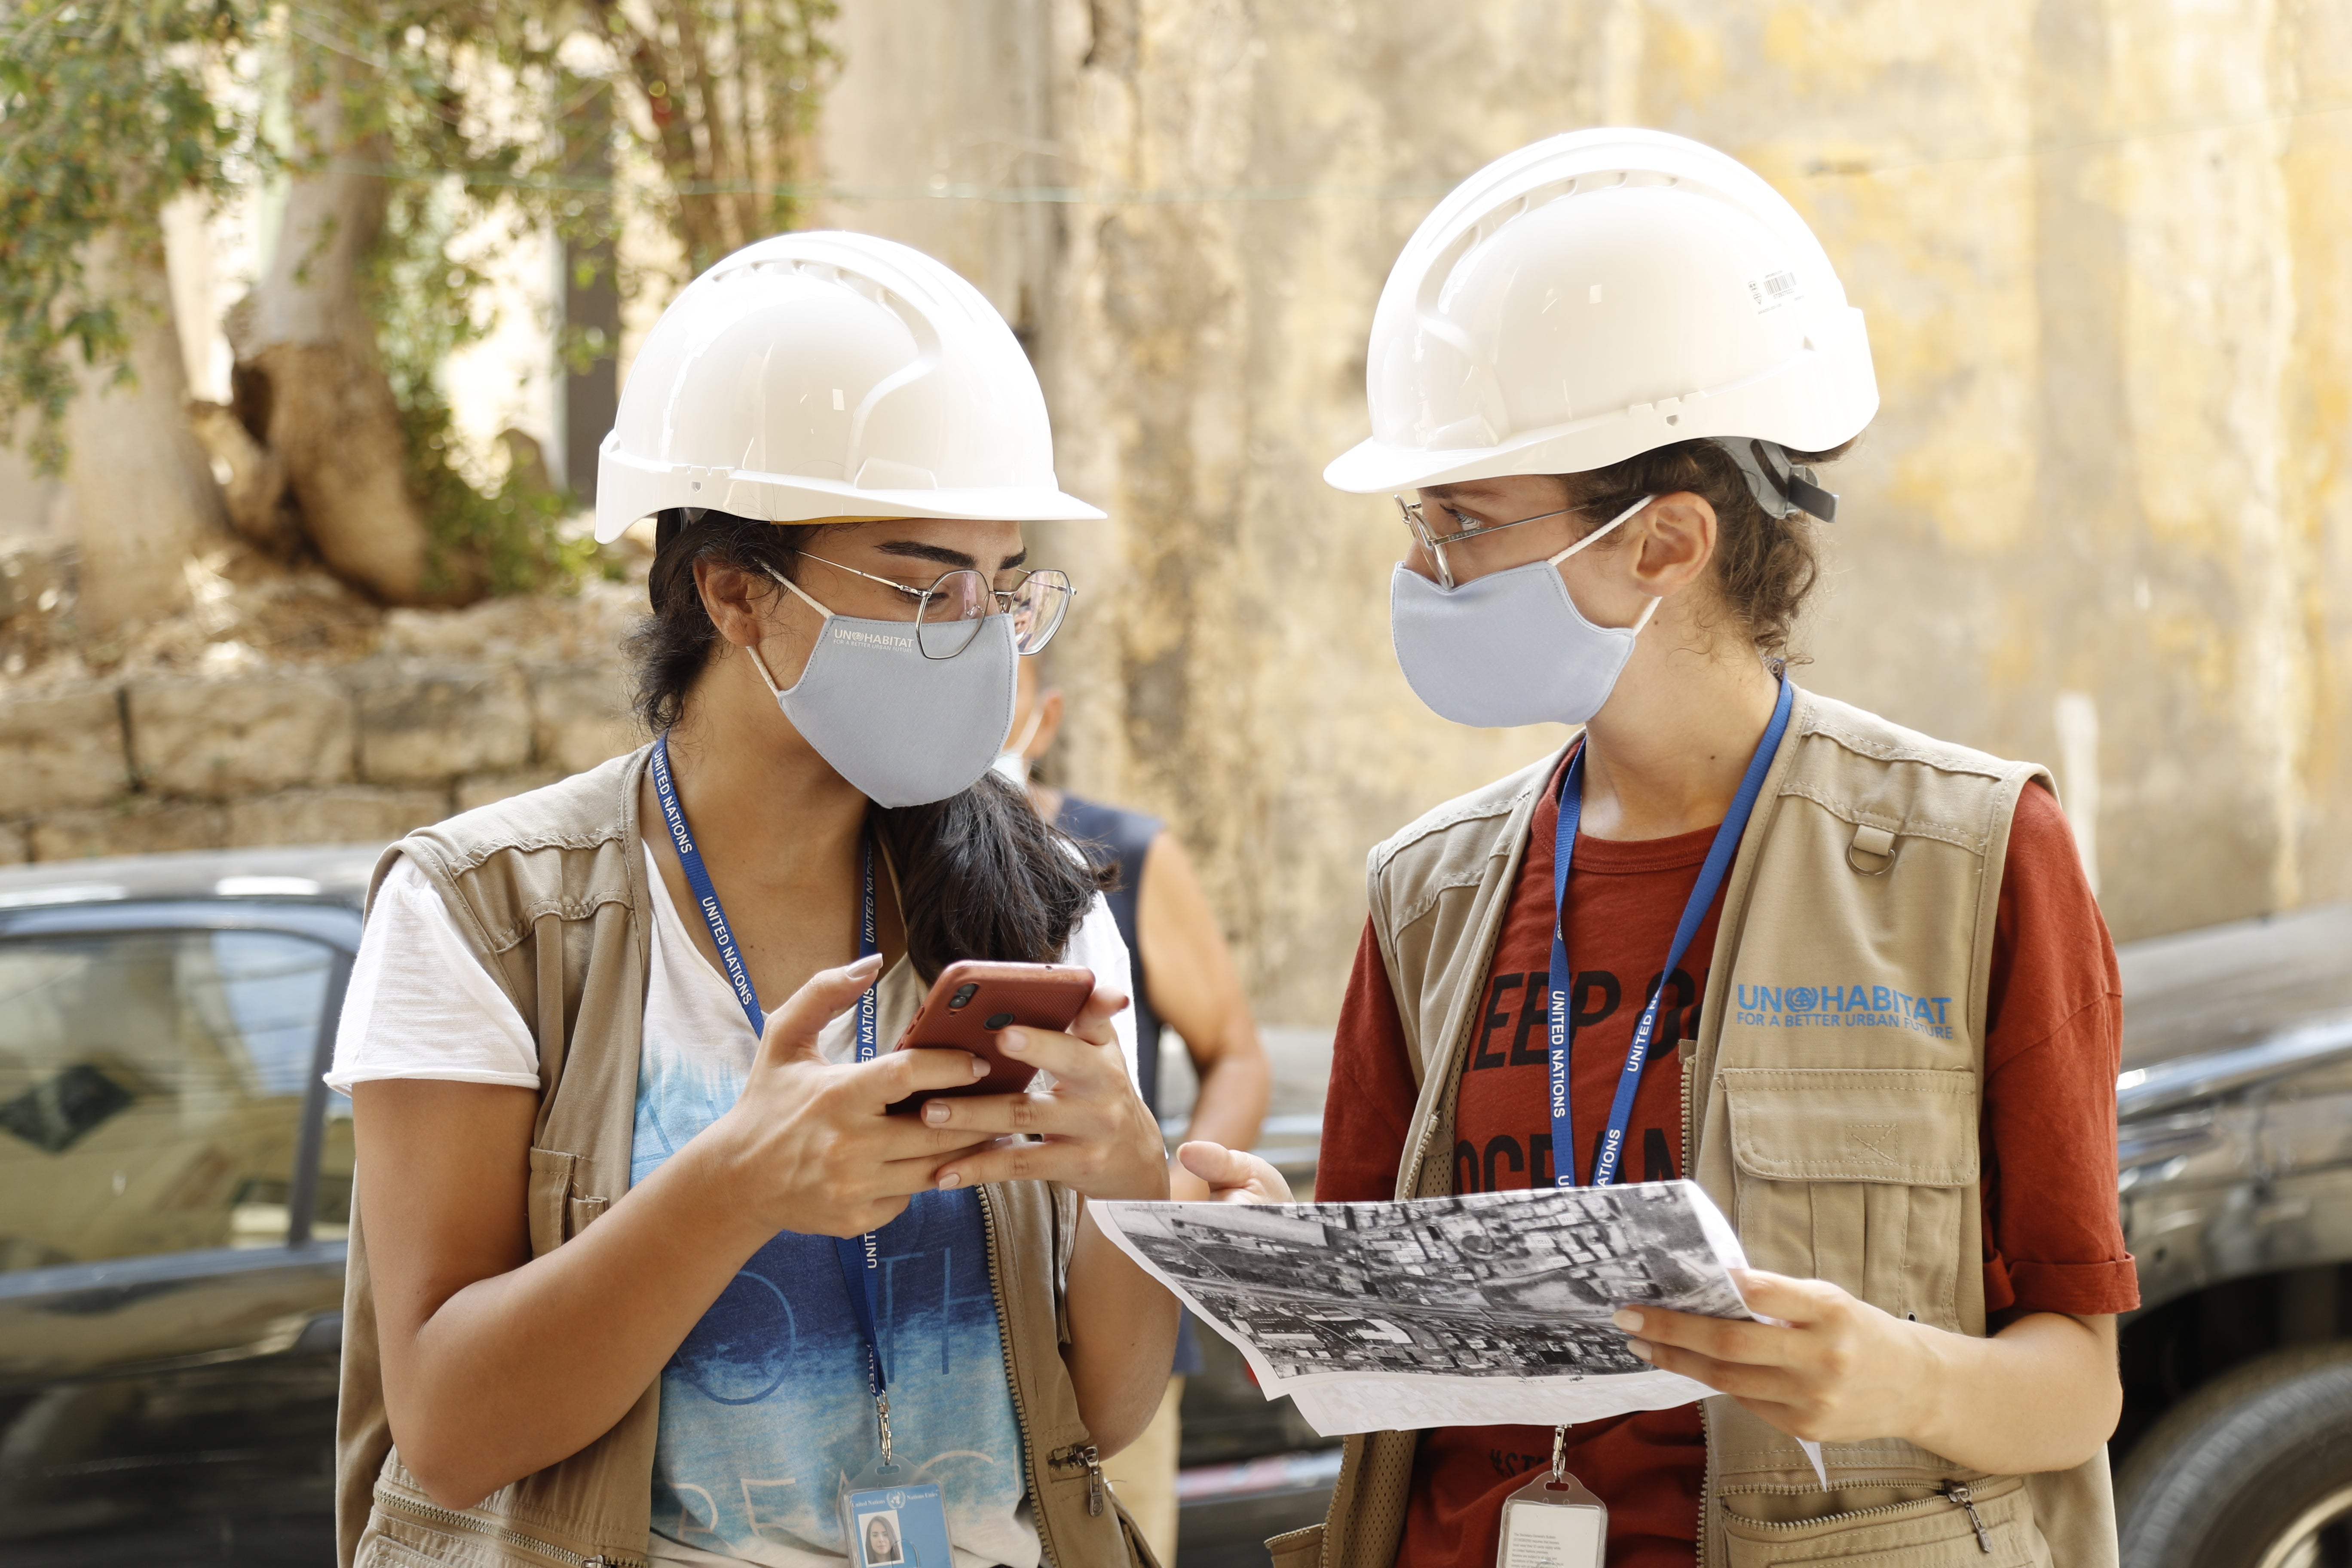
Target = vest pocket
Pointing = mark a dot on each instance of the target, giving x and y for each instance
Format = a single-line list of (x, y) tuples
[(1917, 1526), (1859, 1177)]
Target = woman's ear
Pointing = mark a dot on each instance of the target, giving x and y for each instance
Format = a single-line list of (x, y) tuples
[(1049, 723), (1678, 537), (736, 601)]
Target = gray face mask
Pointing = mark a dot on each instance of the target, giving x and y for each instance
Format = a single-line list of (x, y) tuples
[(905, 730), (1510, 648)]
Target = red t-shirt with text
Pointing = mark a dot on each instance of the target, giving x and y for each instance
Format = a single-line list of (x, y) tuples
[(2054, 1239)]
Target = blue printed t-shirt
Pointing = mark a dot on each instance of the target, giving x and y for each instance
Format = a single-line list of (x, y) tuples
[(765, 1407)]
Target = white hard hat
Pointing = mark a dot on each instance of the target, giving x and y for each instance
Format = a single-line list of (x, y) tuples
[(831, 374), (1595, 296)]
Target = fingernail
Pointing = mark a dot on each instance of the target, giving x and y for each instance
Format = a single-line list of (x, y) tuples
[(949, 1182), (1014, 1041), (868, 964), (1626, 1318), (935, 1113), (1638, 1349), (979, 1067)]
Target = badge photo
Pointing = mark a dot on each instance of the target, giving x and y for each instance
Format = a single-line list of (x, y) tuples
[(896, 1527)]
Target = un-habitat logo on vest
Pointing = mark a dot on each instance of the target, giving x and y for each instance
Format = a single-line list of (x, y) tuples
[(1841, 1007)]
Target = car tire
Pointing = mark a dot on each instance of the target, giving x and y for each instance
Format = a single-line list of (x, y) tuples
[(2254, 1470)]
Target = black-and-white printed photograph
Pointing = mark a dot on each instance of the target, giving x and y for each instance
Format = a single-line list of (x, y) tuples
[(1493, 1285)]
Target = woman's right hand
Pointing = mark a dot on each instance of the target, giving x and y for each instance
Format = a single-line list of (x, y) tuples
[(809, 1146)]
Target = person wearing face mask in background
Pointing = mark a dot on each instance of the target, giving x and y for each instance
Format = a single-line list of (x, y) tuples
[(1183, 978), (641, 1269), (1849, 978)]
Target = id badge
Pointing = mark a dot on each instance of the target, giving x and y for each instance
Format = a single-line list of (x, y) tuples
[(895, 1523), (1552, 1522)]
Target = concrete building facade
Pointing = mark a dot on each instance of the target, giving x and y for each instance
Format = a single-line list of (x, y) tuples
[(2102, 519)]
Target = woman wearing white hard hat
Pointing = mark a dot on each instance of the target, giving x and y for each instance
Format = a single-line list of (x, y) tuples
[(640, 1268), (1848, 978)]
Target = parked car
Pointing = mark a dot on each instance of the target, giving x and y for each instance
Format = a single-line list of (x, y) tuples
[(175, 1186), (175, 1189), (2235, 1111)]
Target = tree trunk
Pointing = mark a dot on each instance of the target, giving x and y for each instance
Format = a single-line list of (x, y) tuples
[(310, 385), (143, 492)]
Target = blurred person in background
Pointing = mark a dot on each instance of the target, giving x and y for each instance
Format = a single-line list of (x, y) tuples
[(1184, 980)]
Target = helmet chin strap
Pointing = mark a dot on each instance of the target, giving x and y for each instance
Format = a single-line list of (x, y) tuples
[(1780, 487)]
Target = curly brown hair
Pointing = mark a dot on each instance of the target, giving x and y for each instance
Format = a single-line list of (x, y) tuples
[(1764, 565)]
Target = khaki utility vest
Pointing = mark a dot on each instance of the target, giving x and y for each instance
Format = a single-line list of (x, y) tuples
[(550, 890), (1839, 1135)]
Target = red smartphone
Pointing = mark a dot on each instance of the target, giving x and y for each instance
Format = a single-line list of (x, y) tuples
[(973, 1001)]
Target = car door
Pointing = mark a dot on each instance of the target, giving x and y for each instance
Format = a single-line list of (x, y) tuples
[(174, 1188)]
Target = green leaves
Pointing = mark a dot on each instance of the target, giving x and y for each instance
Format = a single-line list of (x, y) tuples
[(487, 123), (106, 114)]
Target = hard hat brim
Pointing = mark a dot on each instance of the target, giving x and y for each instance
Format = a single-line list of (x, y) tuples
[(1812, 403), (626, 493)]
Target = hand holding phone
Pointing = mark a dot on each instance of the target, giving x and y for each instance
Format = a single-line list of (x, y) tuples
[(973, 1001)]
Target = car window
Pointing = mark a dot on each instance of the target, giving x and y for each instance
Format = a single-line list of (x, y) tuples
[(151, 1090), (331, 1215)]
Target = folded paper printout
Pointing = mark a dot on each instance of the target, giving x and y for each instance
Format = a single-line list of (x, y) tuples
[(1455, 1312)]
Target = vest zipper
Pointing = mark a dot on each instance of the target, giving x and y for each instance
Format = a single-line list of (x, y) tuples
[(1959, 1492), (1012, 1379), (1705, 1426), (1705, 1482), (1089, 1456), (449, 1519)]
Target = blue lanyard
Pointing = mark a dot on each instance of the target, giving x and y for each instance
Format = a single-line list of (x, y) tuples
[(1710, 879), (860, 1256)]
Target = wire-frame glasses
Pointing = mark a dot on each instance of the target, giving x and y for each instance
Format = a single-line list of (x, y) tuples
[(1435, 543), (947, 614)]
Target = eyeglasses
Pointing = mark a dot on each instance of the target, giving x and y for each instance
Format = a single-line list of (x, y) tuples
[(947, 614), (1435, 543)]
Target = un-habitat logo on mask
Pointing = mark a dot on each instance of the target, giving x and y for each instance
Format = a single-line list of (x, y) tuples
[(1841, 1007), (871, 640)]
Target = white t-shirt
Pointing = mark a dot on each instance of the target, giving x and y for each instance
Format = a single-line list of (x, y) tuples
[(420, 1005), (764, 1405)]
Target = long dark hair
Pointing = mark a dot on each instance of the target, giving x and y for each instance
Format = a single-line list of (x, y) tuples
[(979, 873)]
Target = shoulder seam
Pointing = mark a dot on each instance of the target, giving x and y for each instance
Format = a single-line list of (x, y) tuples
[(1477, 805)]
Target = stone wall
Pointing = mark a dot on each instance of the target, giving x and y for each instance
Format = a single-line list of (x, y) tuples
[(2103, 519), (448, 711)]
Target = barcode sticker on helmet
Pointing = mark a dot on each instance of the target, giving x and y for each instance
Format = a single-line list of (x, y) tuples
[(1772, 289)]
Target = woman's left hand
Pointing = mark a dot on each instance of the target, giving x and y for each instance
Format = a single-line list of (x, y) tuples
[(1834, 1369), (1235, 1175), (1097, 1137)]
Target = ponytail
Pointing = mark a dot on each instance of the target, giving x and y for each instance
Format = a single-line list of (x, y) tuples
[(979, 873)]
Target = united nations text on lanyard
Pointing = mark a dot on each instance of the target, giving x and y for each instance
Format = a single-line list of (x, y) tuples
[(1535, 1529), (914, 1514)]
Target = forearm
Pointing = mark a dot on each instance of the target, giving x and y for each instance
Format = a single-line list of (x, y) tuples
[(2042, 1395), (1231, 1106), (1229, 1109), (518, 1370), (1122, 1339)]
